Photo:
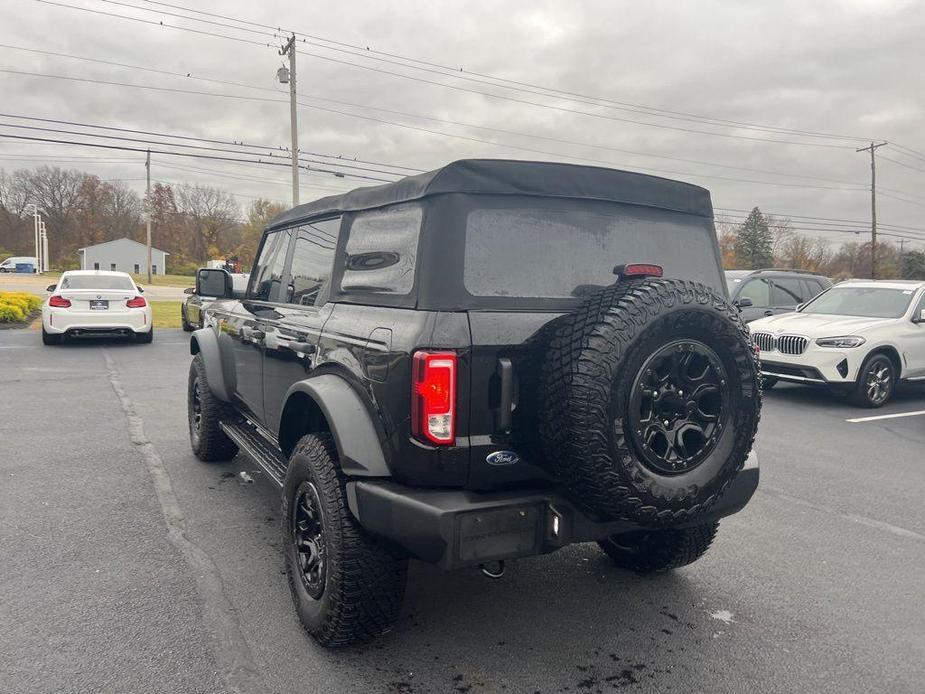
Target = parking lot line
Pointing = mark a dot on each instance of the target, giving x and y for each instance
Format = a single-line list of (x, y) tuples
[(857, 420)]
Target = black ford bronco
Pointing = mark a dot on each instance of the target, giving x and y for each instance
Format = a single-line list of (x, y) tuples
[(480, 363)]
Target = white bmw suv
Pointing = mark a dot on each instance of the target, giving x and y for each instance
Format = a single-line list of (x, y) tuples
[(860, 337), (95, 302)]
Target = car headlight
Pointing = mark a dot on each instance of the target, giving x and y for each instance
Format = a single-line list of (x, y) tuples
[(841, 342)]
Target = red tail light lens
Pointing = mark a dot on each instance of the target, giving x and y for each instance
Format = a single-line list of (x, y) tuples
[(433, 397), (638, 270), (59, 302), (137, 302)]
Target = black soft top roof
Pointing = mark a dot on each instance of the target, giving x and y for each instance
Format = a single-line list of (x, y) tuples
[(508, 177)]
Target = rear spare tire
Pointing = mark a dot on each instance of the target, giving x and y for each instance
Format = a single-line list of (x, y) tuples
[(649, 400)]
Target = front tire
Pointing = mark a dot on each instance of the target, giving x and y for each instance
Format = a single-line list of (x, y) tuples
[(768, 382), (655, 551), (187, 327), (347, 587), (876, 382), (205, 413)]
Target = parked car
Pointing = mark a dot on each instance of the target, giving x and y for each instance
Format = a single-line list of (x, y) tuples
[(760, 293), (476, 364), (860, 337), (9, 264), (95, 303), (192, 310)]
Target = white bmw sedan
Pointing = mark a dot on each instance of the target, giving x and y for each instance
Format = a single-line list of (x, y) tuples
[(860, 337), (95, 303)]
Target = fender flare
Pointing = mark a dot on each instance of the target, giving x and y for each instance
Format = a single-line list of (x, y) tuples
[(354, 432), (219, 371)]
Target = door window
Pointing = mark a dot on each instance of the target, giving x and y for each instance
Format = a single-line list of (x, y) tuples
[(268, 270), (96, 266), (787, 292), (112, 267), (137, 269), (382, 247), (758, 290), (312, 263)]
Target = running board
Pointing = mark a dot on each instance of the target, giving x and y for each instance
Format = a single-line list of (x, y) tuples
[(258, 447)]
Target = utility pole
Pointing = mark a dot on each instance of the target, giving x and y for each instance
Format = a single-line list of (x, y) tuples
[(44, 235), (873, 205), (289, 49), (35, 227), (148, 210)]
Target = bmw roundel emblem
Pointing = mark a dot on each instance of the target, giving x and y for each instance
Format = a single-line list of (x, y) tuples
[(502, 458)]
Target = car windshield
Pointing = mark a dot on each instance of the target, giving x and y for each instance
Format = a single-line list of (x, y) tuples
[(867, 302), (96, 282)]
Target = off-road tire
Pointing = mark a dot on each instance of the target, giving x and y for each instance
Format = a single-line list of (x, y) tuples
[(654, 551), (209, 443), (187, 326), (145, 338), (592, 362), (364, 579), (859, 395), (51, 338)]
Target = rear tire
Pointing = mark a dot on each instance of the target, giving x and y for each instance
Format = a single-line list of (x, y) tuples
[(187, 327), (145, 338), (50, 338), (347, 587), (876, 382), (204, 414), (654, 551)]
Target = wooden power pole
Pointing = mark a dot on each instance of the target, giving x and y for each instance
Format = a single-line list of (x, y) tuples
[(289, 49), (873, 205), (148, 210)]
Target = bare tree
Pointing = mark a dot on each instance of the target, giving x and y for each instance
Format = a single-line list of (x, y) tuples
[(210, 214)]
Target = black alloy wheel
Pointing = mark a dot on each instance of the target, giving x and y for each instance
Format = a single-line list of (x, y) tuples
[(678, 406), (308, 538)]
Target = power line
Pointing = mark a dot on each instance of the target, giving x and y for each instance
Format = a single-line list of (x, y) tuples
[(468, 90), (459, 73)]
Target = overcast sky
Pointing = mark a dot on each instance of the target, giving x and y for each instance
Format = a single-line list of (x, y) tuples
[(851, 68)]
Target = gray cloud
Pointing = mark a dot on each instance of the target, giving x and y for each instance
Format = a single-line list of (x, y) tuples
[(851, 68)]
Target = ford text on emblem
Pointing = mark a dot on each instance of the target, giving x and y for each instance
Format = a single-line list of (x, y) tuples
[(502, 458)]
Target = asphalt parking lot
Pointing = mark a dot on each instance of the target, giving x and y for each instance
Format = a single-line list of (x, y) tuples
[(128, 566)]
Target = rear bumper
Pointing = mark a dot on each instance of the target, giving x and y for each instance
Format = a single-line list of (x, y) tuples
[(457, 528), (96, 322)]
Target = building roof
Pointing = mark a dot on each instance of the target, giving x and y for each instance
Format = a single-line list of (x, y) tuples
[(508, 177), (125, 238)]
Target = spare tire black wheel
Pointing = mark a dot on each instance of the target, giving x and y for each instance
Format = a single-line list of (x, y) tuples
[(649, 400)]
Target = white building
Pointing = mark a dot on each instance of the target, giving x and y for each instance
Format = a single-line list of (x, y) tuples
[(123, 255)]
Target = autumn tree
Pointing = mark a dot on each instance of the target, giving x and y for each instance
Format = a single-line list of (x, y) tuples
[(259, 214), (210, 215)]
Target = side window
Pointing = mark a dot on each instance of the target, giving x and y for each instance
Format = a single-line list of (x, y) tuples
[(758, 290), (268, 270), (312, 262), (810, 289), (787, 292), (382, 246)]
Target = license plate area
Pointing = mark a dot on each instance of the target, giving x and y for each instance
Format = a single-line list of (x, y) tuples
[(99, 304), (498, 533)]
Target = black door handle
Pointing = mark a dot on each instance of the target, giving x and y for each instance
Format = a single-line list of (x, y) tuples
[(298, 346), (506, 406)]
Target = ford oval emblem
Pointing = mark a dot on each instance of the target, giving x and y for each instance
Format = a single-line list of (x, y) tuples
[(502, 458)]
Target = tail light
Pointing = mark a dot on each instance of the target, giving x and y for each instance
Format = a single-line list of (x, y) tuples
[(59, 301), (433, 397), (638, 270), (137, 302)]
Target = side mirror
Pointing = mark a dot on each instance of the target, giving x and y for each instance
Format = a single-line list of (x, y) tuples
[(214, 283), (920, 318), (141, 289), (189, 290), (50, 287), (744, 302)]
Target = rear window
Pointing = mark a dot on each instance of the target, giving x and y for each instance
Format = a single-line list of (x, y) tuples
[(556, 250), (96, 282), (381, 250)]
